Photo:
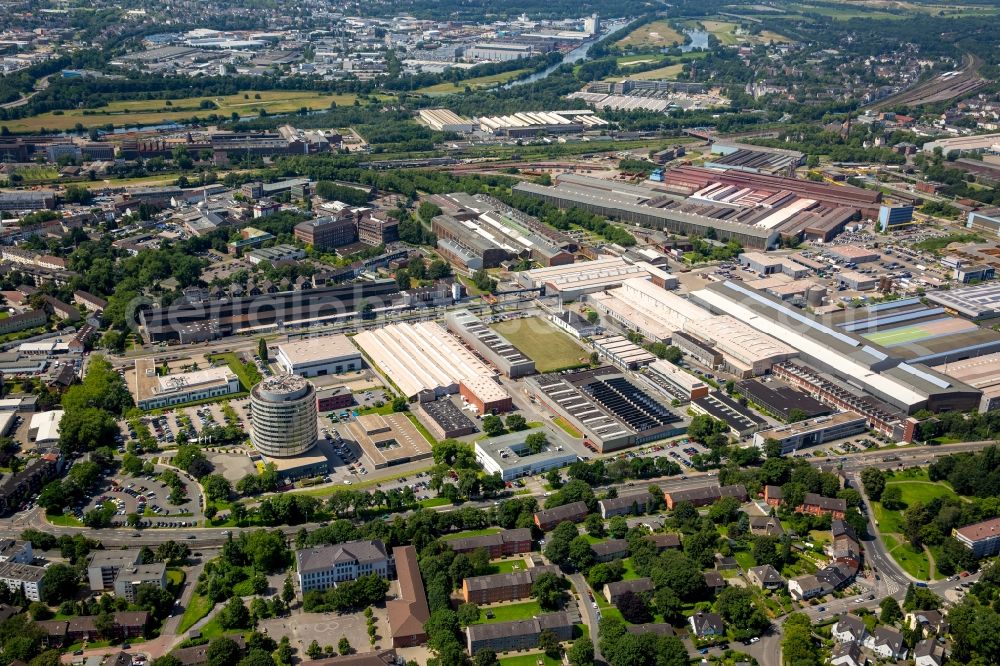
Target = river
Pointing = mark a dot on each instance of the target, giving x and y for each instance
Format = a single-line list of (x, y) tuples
[(574, 56)]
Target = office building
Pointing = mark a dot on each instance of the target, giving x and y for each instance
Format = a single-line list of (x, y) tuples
[(893, 217), (324, 233), (155, 391), (275, 255), (333, 398), (322, 567), (320, 356), (510, 457), (813, 432), (378, 228), (284, 414)]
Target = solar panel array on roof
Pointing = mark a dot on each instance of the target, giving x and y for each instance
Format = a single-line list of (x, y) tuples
[(629, 404)]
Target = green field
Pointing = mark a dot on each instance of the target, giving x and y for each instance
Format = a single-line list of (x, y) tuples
[(914, 487), (530, 660), (567, 428), (511, 612), (508, 566), (198, 608), (658, 34), (898, 336), (449, 88), (547, 346), (155, 111)]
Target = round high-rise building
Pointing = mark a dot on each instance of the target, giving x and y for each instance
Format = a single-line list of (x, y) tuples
[(283, 411)]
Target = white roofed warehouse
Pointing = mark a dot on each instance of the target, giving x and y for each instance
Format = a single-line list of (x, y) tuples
[(316, 357), (425, 362)]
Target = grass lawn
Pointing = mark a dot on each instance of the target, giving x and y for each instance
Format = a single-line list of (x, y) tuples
[(668, 72), (154, 111), (232, 360), (432, 502), (567, 428), (745, 559), (421, 428), (529, 660), (175, 577), (449, 88), (470, 533), (508, 566), (547, 346), (630, 573), (658, 34), (914, 563), (198, 608), (63, 521), (511, 612), (913, 490)]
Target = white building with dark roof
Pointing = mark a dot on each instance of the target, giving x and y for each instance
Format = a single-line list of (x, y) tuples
[(323, 567)]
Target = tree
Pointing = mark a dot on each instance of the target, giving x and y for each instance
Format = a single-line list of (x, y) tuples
[(257, 658), (795, 415), (59, 583), (548, 590), (536, 442), (617, 527), (594, 525), (314, 651), (772, 448), (516, 422), (288, 590), (892, 498), (343, 646), (549, 643), (262, 349), (633, 608), (581, 652), (492, 425), (890, 611), (166, 660), (485, 657), (668, 604), (400, 404), (468, 614), (873, 480), (234, 615), (217, 487), (744, 619), (797, 645), (223, 652)]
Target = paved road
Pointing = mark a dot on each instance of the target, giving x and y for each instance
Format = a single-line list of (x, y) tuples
[(40, 85), (587, 611)]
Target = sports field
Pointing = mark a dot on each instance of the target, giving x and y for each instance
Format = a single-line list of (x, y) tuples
[(921, 331), (543, 343), (155, 111)]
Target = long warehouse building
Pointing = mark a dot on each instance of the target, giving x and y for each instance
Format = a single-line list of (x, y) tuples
[(425, 362), (852, 359), (489, 344), (615, 201)]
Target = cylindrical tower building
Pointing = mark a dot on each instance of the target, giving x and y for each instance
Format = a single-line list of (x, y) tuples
[(283, 411)]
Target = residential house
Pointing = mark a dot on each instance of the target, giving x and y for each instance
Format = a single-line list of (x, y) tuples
[(612, 549), (664, 541), (765, 577), (847, 654), (806, 587), (774, 495), (518, 634), (614, 591), (931, 622), (633, 504), (714, 581), (707, 624), (704, 496), (503, 587), (849, 628), (887, 643), (817, 505), (658, 628), (547, 519), (928, 652), (766, 526), (501, 544)]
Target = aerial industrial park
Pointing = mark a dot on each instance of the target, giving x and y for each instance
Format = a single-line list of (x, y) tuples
[(450, 334)]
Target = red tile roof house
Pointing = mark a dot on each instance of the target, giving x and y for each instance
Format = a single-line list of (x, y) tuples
[(817, 505)]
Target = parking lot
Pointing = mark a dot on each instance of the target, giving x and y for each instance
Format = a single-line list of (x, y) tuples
[(327, 628), (146, 496)]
